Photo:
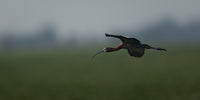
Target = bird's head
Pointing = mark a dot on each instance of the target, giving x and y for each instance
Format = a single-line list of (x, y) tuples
[(103, 50)]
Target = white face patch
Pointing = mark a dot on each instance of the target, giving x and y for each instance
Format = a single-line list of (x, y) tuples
[(104, 49)]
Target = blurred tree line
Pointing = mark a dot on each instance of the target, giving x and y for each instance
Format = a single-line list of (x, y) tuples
[(166, 30)]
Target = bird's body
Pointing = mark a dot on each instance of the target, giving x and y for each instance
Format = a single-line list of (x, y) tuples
[(134, 47)]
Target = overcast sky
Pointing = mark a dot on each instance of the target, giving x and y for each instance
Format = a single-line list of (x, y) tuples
[(95, 15)]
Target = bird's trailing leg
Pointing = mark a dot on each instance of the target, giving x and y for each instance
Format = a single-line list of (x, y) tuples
[(149, 47), (158, 48)]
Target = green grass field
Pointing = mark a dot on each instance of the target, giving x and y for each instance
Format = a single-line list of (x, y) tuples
[(62, 75)]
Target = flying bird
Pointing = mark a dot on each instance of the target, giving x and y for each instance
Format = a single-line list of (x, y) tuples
[(134, 46)]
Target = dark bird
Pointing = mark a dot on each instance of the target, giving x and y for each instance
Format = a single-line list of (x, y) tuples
[(134, 47)]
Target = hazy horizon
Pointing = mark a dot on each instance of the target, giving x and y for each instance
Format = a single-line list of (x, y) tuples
[(88, 15)]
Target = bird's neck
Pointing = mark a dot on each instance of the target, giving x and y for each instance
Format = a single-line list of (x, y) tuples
[(110, 49)]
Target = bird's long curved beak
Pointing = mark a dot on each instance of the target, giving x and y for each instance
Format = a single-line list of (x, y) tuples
[(98, 53)]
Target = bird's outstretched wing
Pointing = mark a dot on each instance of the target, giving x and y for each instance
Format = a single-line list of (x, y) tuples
[(134, 40), (122, 38), (136, 52)]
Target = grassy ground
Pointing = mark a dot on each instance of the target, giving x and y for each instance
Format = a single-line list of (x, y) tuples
[(171, 75)]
